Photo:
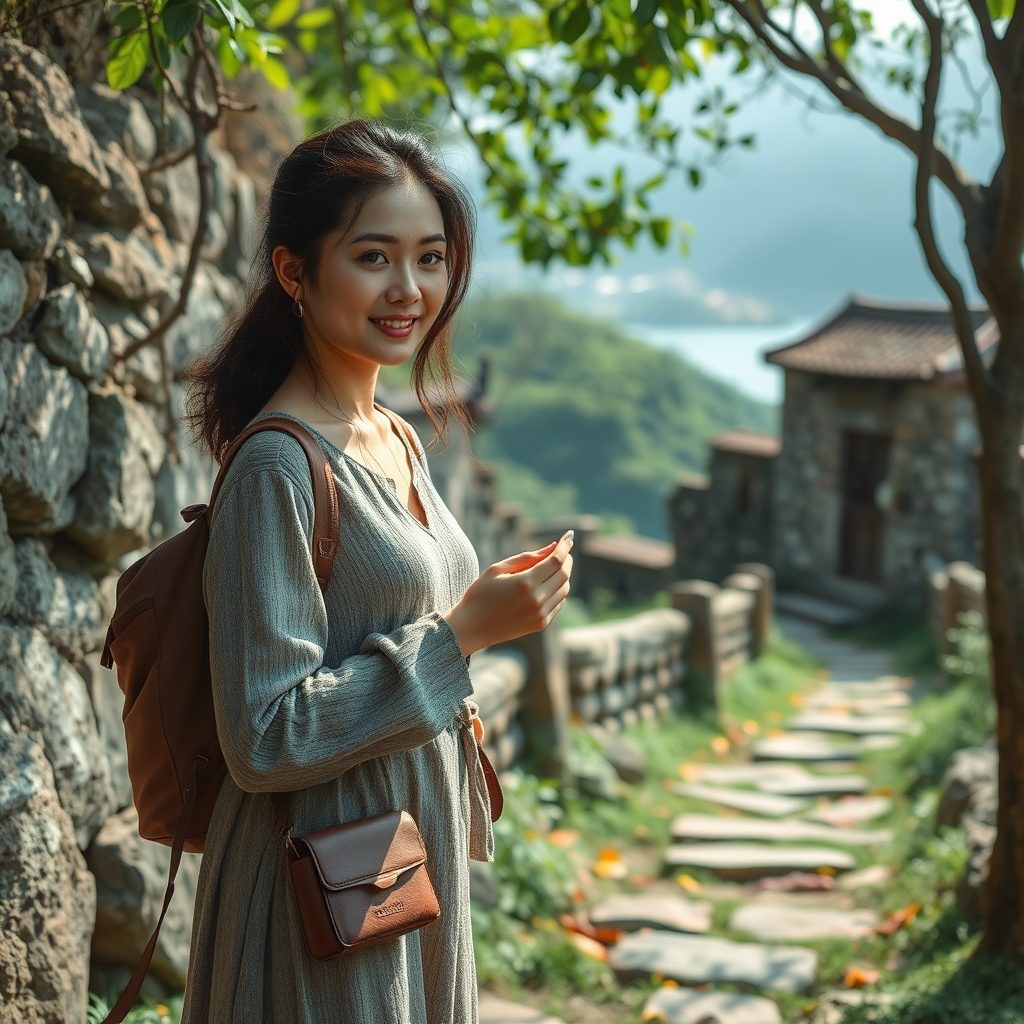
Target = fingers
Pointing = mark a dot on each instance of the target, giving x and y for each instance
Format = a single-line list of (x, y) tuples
[(554, 602), (554, 562), (524, 560)]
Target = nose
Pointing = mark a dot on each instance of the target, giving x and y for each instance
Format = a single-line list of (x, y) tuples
[(403, 289)]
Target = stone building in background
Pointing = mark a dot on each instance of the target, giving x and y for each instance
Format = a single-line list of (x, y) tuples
[(872, 482)]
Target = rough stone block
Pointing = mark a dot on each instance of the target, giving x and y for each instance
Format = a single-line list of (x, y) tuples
[(43, 696), (212, 299), (670, 913), (30, 222), (44, 440), (64, 605), (756, 860), (71, 336), (118, 117), (174, 198), (8, 132), (71, 265), (8, 566), (123, 269), (108, 706), (771, 920), (53, 140), (115, 497), (124, 203), (131, 875), (13, 290), (47, 895)]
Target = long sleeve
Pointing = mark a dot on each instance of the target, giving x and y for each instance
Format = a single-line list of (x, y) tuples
[(286, 720)]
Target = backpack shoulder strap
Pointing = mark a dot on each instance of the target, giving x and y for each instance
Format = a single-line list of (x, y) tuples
[(326, 519)]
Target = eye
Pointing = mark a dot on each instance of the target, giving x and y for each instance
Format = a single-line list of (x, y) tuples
[(371, 258), (431, 259)]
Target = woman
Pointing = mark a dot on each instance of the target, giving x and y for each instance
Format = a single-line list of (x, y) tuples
[(353, 701)]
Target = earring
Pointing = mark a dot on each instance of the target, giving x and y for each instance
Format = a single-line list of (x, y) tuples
[(297, 308)]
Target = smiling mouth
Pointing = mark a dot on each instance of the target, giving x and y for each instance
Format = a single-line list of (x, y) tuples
[(394, 323)]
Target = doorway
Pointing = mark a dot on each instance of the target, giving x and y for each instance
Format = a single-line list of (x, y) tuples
[(865, 466)]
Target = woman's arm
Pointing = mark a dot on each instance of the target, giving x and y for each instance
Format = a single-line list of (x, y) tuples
[(285, 721)]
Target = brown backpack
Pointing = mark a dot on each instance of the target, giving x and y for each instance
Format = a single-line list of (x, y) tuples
[(159, 640)]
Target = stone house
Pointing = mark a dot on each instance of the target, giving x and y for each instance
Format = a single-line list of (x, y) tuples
[(873, 478)]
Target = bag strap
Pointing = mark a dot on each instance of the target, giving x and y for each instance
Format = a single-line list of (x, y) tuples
[(326, 517), (324, 546)]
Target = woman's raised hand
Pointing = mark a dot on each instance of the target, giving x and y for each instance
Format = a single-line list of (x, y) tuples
[(511, 598)]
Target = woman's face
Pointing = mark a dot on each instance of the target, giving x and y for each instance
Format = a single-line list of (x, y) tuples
[(381, 280)]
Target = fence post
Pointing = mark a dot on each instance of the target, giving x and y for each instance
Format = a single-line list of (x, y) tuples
[(764, 611), (544, 704), (695, 598)]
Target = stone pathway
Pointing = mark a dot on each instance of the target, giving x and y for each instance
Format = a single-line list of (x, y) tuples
[(862, 706), (802, 805)]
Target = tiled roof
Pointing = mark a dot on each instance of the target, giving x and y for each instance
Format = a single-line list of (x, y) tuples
[(632, 549), (747, 442), (886, 341)]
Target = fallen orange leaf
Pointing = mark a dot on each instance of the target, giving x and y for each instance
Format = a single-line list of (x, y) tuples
[(610, 864), (691, 772), (563, 837), (652, 1013), (858, 977), (751, 728), (688, 883), (892, 924), (720, 745), (641, 831), (796, 699), (591, 947)]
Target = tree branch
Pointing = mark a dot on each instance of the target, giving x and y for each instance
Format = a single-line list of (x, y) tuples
[(842, 87), (962, 321), (825, 21), (991, 42), (167, 162)]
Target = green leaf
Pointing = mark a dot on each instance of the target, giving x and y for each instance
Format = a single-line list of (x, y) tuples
[(275, 73), (576, 24), (233, 13), (180, 17), (661, 228), (694, 176), (163, 51), (281, 13), (129, 56), (659, 79), (645, 12), (316, 18), (1001, 8), (129, 18)]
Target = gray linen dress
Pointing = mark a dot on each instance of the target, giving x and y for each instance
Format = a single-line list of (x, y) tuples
[(354, 701)]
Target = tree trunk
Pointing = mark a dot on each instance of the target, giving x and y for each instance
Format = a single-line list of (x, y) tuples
[(1001, 423)]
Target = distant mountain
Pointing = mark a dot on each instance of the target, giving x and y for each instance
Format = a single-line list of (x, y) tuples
[(588, 419)]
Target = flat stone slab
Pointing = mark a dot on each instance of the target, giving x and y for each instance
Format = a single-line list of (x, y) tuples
[(697, 959), (814, 785), (756, 860), (709, 828), (687, 1006), (670, 913), (768, 804), (849, 724), (876, 875), (501, 1011), (800, 746), (779, 922), (853, 810), (740, 774), (876, 703)]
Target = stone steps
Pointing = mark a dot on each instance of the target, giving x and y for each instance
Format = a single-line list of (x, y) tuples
[(748, 860), (708, 828)]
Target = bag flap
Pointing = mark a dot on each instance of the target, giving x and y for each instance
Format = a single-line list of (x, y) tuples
[(371, 851)]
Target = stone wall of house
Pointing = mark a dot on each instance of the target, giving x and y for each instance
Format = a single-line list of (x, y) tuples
[(723, 518), (91, 253), (931, 517)]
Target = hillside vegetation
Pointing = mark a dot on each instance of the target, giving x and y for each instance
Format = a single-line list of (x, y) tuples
[(588, 419)]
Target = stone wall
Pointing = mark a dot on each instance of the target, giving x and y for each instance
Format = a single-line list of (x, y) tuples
[(91, 254), (931, 514), (723, 518)]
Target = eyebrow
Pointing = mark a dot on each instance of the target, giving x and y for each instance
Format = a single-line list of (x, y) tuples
[(372, 236)]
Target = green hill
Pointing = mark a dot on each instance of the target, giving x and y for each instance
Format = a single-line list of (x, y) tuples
[(588, 419)]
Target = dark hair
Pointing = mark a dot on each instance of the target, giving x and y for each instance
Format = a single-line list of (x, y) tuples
[(323, 183)]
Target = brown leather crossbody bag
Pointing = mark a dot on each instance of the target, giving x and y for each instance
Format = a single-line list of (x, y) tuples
[(363, 882)]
